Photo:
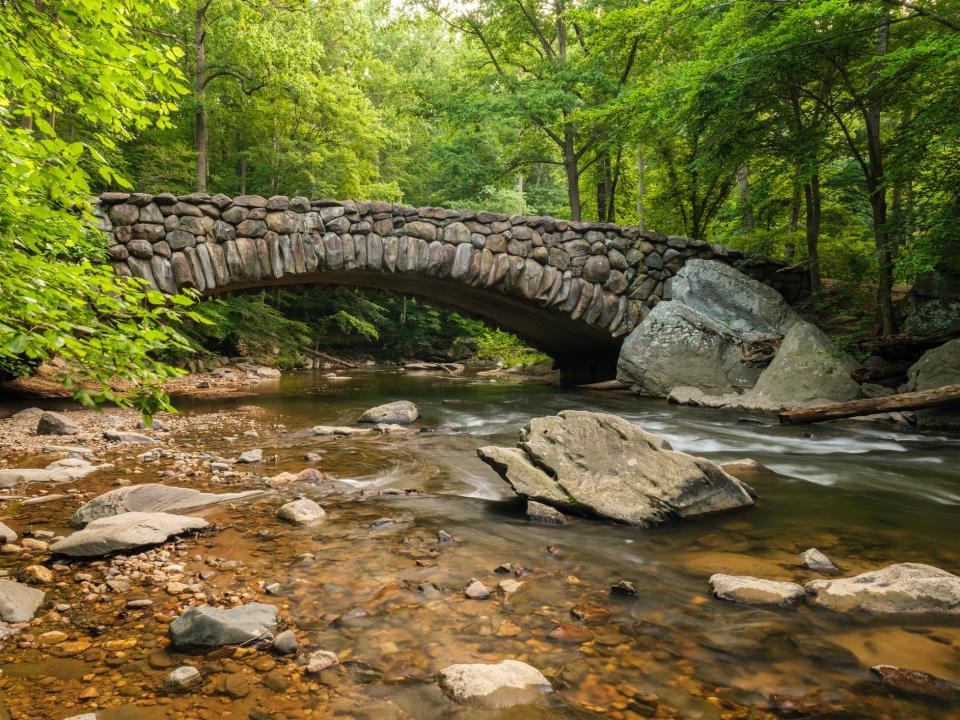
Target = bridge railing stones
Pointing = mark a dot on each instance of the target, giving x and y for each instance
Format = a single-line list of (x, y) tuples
[(602, 274)]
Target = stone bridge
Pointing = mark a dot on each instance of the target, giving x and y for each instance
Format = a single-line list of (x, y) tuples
[(571, 288)]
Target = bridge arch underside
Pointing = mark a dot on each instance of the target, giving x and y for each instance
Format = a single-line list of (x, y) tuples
[(582, 352)]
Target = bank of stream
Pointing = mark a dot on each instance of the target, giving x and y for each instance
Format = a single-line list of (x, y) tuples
[(377, 582)]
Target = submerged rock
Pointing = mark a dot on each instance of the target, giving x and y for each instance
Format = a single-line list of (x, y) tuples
[(183, 678), (916, 682), (321, 660), (600, 464), (755, 591), (901, 588), (301, 512), (401, 412), (151, 497), (497, 685), (209, 627), (124, 532), (18, 602)]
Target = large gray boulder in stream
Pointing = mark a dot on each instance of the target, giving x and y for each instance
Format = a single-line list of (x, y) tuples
[(807, 370), (124, 532), (937, 367), (151, 497), (714, 334), (19, 602), (901, 588), (401, 412), (209, 627), (599, 464)]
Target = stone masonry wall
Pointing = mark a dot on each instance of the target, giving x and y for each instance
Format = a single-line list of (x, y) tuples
[(602, 274)]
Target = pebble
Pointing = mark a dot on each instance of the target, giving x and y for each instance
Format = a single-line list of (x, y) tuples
[(36, 575), (623, 587), (285, 643), (813, 559), (320, 660), (183, 678), (476, 590)]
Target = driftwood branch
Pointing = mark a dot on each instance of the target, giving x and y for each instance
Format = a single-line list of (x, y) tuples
[(935, 397)]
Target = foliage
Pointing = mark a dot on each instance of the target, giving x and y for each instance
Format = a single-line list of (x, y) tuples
[(75, 77), (507, 349)]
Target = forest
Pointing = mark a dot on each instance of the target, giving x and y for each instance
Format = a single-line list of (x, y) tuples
[(824, 132)]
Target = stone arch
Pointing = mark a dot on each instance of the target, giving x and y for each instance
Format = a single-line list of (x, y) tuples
[(572, 288)]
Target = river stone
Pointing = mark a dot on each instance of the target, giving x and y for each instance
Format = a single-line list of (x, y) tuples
[(538, 512), (600, 464), (285, 643), (54, 423), (806, 371), (901, 588), (151, 497), (937, 367), (755, 591), (301, 512), (206, 626), (183, 678), (19, 602), (698, 338), (401, 412), (251, 456), (813, 559), (495, 685), (916, 682), (125, 531), (321, 660), (114, 435), (7, 534)]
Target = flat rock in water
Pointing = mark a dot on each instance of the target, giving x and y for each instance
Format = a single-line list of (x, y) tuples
[(9, 477), (209, 627), (251, 456), (401, 412), (19, 602), (151, 497), (340, 431), (54, 423), (301, 512), (901, 588), (755, 591), (125, 531), (495, 685), (600, 464), (127, 437)]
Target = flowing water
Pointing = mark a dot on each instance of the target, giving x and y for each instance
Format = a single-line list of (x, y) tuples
[(388, 598)]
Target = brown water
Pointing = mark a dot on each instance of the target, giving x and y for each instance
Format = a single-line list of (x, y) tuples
[(388, 598)]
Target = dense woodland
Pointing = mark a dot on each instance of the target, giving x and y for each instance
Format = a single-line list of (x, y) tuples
[(825, 132)]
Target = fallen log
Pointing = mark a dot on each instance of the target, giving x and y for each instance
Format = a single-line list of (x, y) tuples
[(331, 358), (935, 397)]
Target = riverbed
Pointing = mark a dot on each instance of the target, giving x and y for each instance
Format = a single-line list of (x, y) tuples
[(387, 596)]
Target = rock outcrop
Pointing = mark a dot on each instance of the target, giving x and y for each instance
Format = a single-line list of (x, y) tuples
[(150, 498), (209, 627), (901, 588), (937, 367), (495, 685), (124, 532), (706, 336), (599, 464)]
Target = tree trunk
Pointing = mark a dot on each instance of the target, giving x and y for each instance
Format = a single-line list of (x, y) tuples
[(746, 209), (201, 136), (790, 248), (572, 172), (641, 191), (811, 192), (935, 397), (878, 192)]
